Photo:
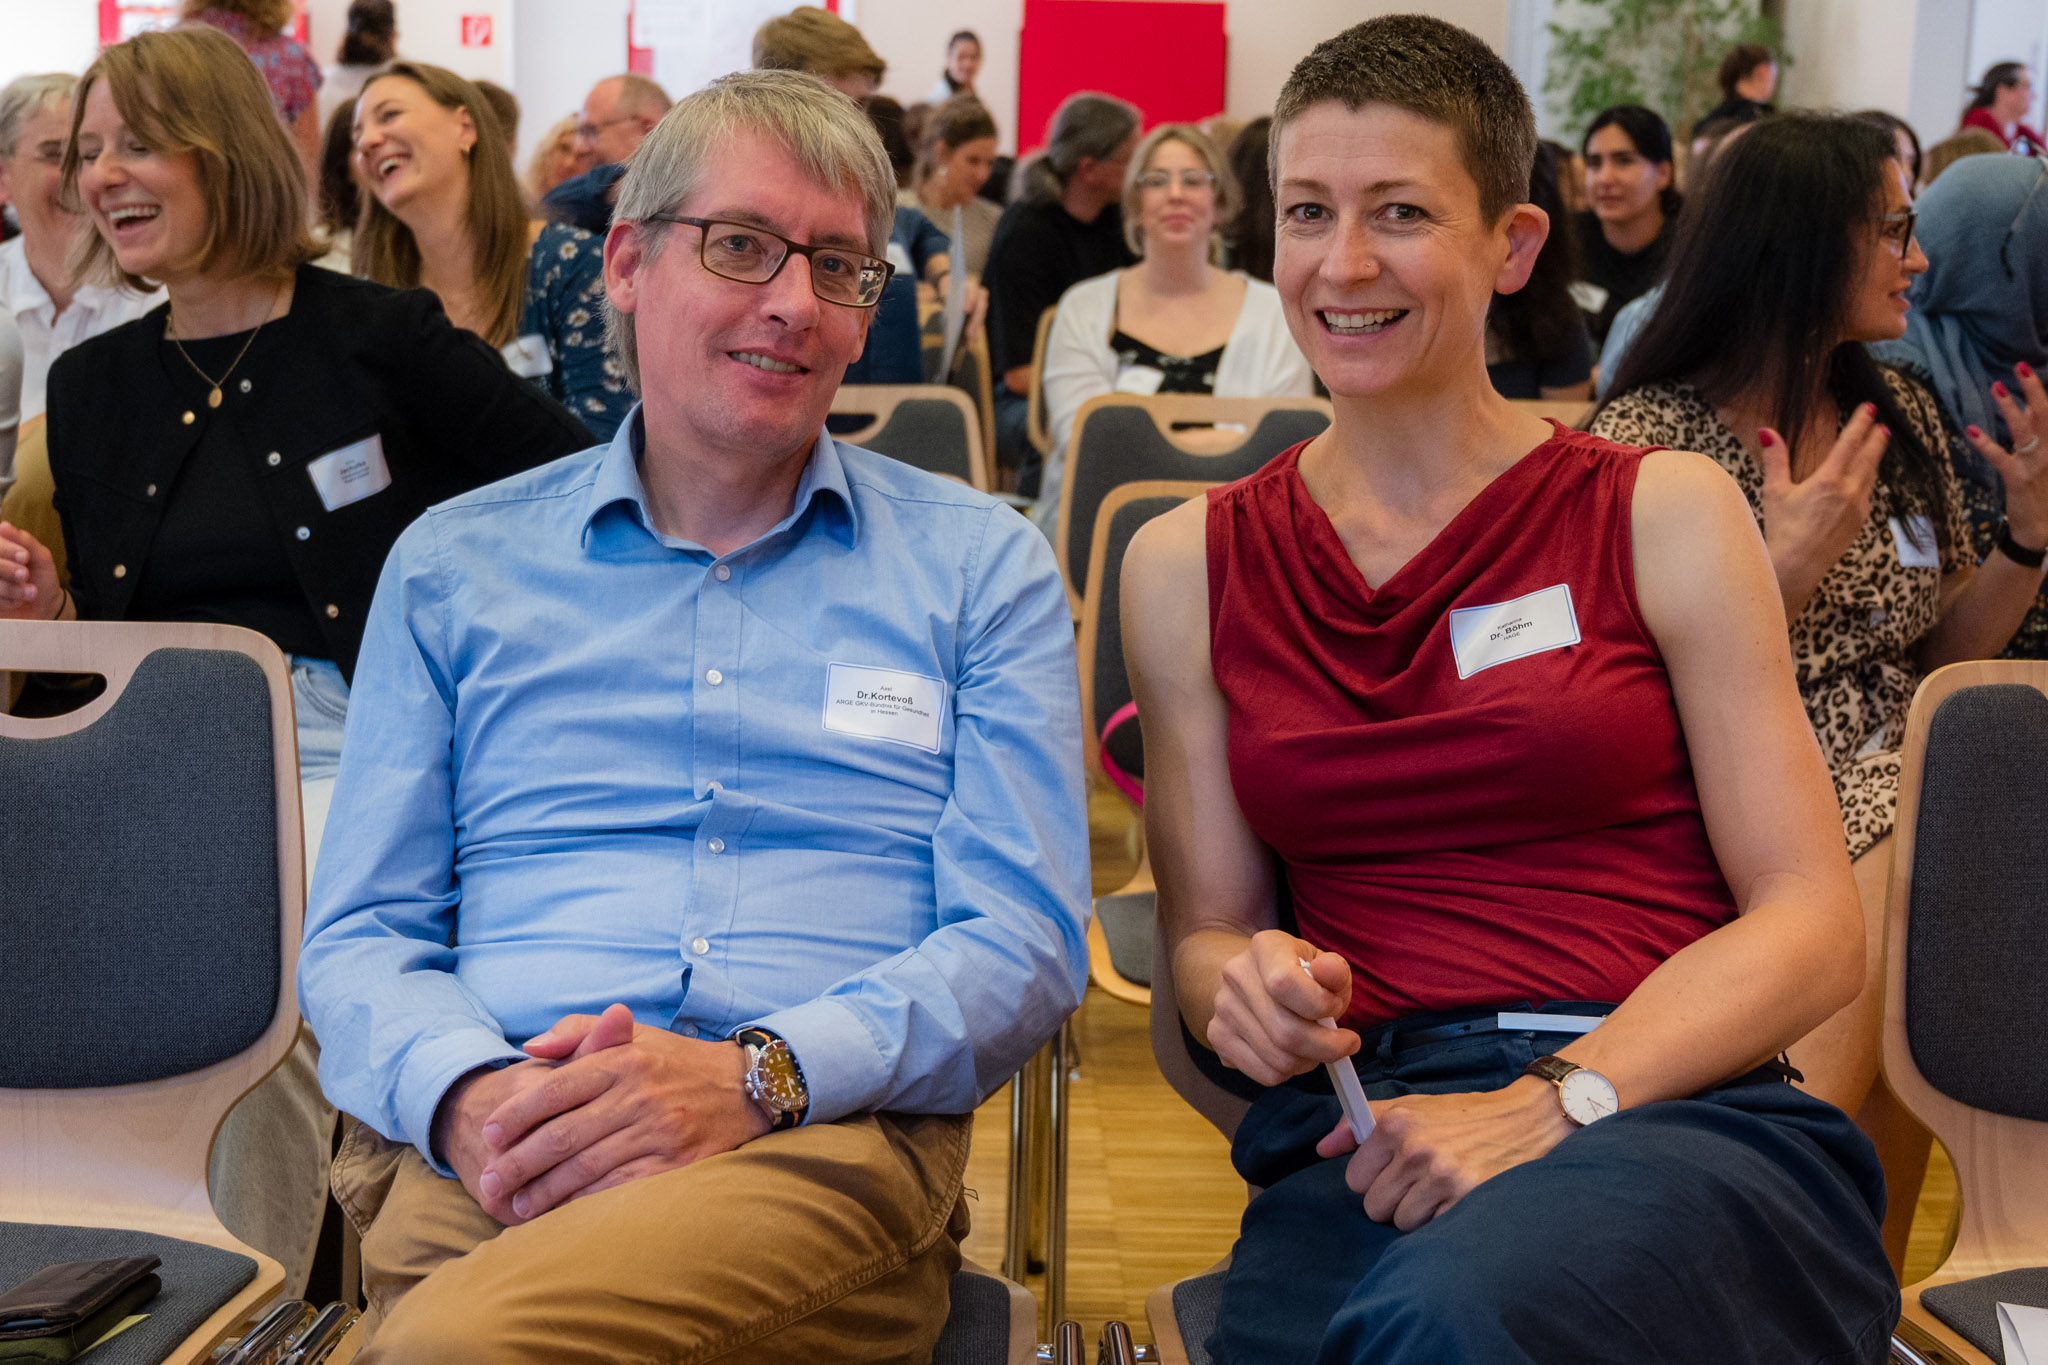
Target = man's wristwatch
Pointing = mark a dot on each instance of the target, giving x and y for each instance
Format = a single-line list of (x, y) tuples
[(774, 1080), (1583, 1095)]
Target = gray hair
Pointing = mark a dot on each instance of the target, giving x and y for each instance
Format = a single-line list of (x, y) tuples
[(1087, 125), (27, 96), (829, 136)]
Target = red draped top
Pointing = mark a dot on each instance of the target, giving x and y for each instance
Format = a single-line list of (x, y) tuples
[(1529, 831)]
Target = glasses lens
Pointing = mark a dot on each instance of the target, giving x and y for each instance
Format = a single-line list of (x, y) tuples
[(741, 253), (847, 277)]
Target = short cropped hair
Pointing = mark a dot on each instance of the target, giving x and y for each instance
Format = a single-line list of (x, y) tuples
[(1740, 61), (810, 39), (1196, 141), (1437, 71), (192, 91), (641, 96), (27, 96), (828, 135)]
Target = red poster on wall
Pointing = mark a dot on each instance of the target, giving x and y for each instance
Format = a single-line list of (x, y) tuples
[(1167, 58)]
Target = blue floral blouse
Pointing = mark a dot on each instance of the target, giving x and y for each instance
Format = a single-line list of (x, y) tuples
[(565, 308)]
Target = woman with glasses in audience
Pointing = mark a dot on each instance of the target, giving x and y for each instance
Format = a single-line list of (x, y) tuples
[(1624, 235), (1175, 322), (1798, 254), (246, 455), (1979, 323), (444, 212)]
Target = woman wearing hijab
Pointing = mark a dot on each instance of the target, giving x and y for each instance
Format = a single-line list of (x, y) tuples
[(1979, 321)]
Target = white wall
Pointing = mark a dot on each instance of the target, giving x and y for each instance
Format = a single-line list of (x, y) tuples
[(910, 35), (47, 35), (560, 50), (1850, 54), (430, 31)]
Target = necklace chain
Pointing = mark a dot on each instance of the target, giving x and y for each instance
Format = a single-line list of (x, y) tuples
[(214, 396)]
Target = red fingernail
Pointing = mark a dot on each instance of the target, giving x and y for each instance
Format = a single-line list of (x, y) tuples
[(1999, 389), (1870, 409), (1974, 433), (2024, 370), (1884, 431), (1763, 438)]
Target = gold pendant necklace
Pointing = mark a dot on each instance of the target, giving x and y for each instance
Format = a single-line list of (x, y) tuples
[(213, 397)]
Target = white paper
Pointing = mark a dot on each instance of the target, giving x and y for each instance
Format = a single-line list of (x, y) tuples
[(886, 704), (1139, 379), (1484, 636), (2024, 1332), (1925, 555), (351, 473), (528, 356)]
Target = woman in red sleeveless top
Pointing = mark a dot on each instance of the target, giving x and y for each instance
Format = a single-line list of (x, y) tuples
[(1508, 712)]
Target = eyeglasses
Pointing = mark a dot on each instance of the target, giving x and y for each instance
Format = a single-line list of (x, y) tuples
[(1189, 180), (1896, 230), (588, 131), (754, 255)]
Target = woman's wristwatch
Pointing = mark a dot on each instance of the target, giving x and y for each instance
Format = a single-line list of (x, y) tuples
[(1584, 1095), (2016, 552), (774, 1080)]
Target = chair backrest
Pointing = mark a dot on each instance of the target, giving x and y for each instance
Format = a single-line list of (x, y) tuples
[(972, 372), (155, 890), (1574, 413), (1123, 438), (1105, 686), (932, 426), (1170, 1047), (1966, 962), (1036, 428)]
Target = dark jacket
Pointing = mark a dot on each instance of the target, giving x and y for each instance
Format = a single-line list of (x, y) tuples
[(351, 359)]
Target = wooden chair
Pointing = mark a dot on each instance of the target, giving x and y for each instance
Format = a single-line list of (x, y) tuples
[(1125, 915), (1573, 413), (1966, 988), (1036, 428), (931, 426), (1122, 438), (155, 887), (972, 374)]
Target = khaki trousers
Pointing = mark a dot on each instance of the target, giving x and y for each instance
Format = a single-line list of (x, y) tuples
[(831, 1242)]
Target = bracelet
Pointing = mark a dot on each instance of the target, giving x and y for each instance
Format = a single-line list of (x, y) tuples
[(61, 605), (2018, 553)]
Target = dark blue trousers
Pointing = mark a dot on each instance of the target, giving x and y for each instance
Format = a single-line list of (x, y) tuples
[(1740, 1225)]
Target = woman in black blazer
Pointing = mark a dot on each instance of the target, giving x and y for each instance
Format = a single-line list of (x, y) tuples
[(247, 454)]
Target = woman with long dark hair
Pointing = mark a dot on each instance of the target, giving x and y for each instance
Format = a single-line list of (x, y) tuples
[(1999, 103), (1797, 254), (1250, 234), (1536, 341), (1624, 236)]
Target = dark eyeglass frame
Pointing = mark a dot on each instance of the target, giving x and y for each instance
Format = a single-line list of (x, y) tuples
[(1896, 230), (789, 248)]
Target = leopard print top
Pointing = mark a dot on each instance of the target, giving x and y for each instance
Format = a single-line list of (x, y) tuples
[(1852, 644)]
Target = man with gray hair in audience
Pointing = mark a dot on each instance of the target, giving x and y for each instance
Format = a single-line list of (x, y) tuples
[(51, 312), (618, 114), (709, 839)]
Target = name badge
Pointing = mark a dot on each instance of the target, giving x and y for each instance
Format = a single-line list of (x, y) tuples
[(1484, 636), (528, 356), (1139, 379), (885, 704), (351, 473), (1590, 297), (1906, 530)]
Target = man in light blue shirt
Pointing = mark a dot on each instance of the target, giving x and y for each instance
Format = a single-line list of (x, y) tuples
[(710, 837)]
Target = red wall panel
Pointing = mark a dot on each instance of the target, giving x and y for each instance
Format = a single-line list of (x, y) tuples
[(1165, 57)]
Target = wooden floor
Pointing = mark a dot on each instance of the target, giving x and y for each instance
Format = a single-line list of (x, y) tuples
[(1151, 1195)]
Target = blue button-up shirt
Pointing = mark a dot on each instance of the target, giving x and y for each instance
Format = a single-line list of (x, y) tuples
[(587, 762)]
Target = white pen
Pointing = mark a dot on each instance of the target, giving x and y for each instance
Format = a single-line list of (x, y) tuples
[(1344, 1076)]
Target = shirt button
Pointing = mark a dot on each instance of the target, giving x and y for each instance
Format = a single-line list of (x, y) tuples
[(716, 845), (332, 611), (188, 419), (724, 572), (716, 785), (275, 459), (246, 386), (713, 676), (120, 571), (149, 492), (700, 946), (303, 533)]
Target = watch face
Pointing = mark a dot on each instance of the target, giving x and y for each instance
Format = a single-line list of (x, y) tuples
[(1587, 1096)]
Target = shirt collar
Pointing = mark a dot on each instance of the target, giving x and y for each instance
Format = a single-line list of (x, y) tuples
[(823, 485), (25, 293)]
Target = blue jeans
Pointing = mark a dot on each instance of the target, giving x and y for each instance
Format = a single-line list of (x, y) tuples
[(1738, 1225), (320, 702)]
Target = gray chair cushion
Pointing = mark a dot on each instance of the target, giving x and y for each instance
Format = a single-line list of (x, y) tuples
[(926, 432), (1122, 444), (1971, 1306), (1127, 926), (977, 1328), (1977, 944), (1195, 1306), (1111, 683), (141, 882), (197, 1280)]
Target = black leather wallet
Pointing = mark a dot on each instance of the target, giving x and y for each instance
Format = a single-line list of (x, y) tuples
[(58, 1299)]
